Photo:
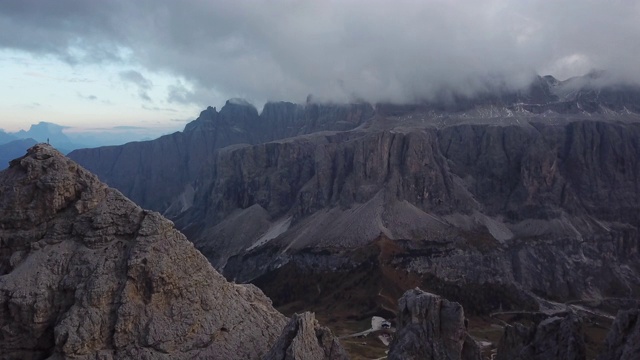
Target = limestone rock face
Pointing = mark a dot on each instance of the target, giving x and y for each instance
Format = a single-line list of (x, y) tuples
[(87, 274), (623, 340), (430, 327), (304, 339), (157, 174), (521, 196), (558, 337), (548, 209)]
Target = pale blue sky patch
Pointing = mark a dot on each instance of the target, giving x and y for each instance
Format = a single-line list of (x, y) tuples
[(44, 88)]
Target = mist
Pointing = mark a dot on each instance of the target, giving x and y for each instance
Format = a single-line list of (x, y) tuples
[(399, 51)]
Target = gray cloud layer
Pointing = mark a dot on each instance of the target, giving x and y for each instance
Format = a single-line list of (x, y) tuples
[(142, 83), (371, 49)]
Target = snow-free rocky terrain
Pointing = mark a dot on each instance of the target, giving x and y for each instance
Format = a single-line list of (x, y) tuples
[(87, 274), (507, 201)]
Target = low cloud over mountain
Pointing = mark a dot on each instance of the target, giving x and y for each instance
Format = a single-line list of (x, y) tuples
[(374, 50)]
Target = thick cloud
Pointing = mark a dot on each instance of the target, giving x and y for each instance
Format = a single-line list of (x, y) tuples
[(337, 50)]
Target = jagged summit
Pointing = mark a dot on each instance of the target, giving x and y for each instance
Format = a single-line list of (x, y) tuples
[(431, 328), (86, 273), (239, 102), (304, 338), (44, 128), (594, 94), (44, 131)]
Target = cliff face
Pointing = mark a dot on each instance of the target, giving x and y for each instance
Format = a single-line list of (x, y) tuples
[(583, 167), (518, 196), (431, 328), (550, 208), (86, 273), (155, 173)]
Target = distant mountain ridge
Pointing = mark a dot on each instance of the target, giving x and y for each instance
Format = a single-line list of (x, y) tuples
[(585, 95), (46, 131), (479, 191), (155, 172), (5, 137), (67, 139), (128, 167)]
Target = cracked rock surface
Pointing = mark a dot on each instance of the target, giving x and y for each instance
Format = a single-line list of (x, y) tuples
[(556, 337), (304, 339), (431, 328), (87, 274)]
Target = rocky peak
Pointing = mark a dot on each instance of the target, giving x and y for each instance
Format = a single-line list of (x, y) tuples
[(549, 79), (539, 92), (556, 337), (238, 102), (47, 182), (304, 338), (235, 108), (206, 119), (237, 115), (431, 327), (85, 273)]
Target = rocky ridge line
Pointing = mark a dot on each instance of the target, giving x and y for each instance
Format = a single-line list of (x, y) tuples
[(85, 273), (155, 174), (304, 338), (431, 328)]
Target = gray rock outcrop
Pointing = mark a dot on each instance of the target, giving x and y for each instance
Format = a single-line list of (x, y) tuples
[(304, 339), (623, 340), (87, 274), (431, 328), (559, 337)]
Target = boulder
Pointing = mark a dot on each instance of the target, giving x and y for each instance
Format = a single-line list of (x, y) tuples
[(304, 339), (431, 327)]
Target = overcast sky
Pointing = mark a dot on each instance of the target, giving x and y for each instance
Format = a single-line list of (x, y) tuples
[(159, 62)]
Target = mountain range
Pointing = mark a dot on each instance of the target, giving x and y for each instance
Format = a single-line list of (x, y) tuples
[(508, 201), (85, 273), (66, 139)]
